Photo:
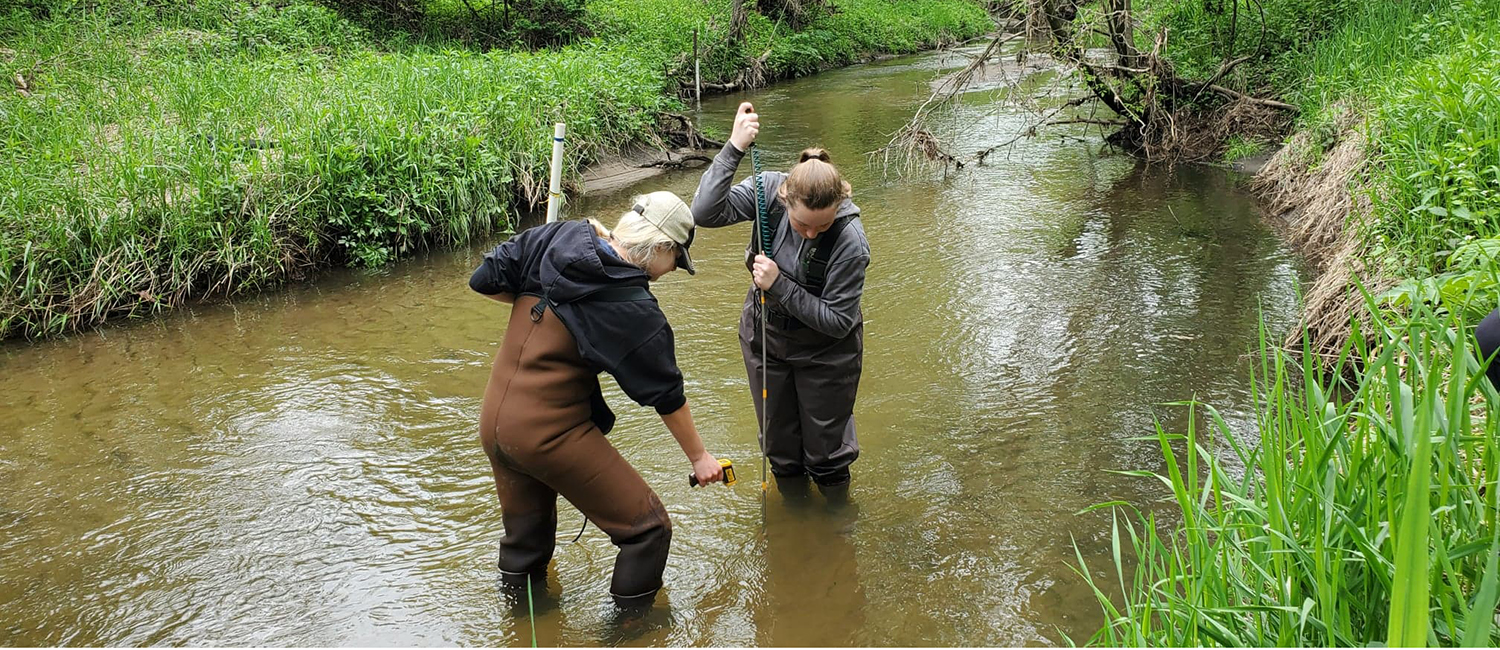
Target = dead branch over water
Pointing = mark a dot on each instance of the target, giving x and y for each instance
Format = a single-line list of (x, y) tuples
[(1153, 112)]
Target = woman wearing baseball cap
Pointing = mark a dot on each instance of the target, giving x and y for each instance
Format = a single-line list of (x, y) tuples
[(582, 306)]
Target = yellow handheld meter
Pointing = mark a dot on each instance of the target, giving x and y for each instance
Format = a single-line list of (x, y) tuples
[(728, 466)]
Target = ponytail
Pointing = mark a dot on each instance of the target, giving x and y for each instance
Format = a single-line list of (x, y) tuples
[(814, 182), (814, 153)]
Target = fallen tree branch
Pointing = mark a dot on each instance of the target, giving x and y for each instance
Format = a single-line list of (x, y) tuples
[(912, 138), (688, 134), (1083, 120), (723, 88), (1032, 130), (679, 163), (1236, 95)]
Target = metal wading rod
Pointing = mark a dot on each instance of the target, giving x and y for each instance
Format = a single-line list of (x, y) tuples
[(763, 245)]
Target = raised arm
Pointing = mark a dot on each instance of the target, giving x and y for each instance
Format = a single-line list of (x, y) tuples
[(718, 201)]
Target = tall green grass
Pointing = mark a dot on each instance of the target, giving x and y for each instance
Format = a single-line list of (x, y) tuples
[(1439, 153), (169, 151), (1364, 513), (157, 162)]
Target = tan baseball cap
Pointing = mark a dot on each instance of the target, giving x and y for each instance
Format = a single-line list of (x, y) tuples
[(673, 217)]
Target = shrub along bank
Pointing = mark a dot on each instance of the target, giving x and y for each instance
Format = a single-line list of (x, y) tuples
[(159, 153)]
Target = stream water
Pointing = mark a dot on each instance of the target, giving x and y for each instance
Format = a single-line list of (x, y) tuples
[(303, 467)]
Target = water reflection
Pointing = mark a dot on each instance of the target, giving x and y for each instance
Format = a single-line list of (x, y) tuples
[(302, 468)]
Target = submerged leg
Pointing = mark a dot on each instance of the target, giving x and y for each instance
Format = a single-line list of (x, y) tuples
[(782, 439), (528, 509), (828, 384), (592, 475)]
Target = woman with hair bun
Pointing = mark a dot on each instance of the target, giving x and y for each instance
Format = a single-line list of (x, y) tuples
[(812, 275)]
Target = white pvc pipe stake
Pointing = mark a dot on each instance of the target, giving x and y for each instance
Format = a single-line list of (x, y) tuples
[(554, 191)]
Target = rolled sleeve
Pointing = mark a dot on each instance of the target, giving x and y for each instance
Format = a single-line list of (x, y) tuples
[(649, 374)]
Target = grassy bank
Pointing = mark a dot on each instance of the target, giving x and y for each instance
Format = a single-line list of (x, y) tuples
[(1418, 80), (161, 153), (1364, 511)]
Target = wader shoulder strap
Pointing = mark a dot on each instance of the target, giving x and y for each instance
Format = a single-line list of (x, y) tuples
[(817, 265), (609, 294)]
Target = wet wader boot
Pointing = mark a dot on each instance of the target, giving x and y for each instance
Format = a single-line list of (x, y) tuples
[(536, 429), (793, 488)]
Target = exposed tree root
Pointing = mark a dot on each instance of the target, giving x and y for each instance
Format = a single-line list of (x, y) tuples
[(680, 162)]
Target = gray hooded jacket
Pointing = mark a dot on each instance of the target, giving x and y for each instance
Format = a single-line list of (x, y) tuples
[(837, 312)]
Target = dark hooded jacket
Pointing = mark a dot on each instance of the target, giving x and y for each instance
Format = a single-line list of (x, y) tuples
[(604, 302)]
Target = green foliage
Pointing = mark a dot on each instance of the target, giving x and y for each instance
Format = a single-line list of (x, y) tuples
[(540, 23), (290, 28), (853, 30), (166, 151), (1422, 74), (1470, 288), (1365, 513), (530, 24), (1240, 147), (1204, 33), (135, 182), (1375, 44), (1439, 154), (794, 13)]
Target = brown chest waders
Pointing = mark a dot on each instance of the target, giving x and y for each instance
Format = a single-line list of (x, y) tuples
[(536, 428)]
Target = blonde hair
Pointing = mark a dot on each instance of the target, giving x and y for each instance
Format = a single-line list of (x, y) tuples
[(814, 183), (641, 240)]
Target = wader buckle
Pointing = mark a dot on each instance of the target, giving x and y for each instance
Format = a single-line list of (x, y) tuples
[(539, 308)]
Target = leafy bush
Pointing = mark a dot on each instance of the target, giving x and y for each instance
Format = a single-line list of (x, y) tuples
[(542, 23), (292, 27), (1276, 33), (173, 150)]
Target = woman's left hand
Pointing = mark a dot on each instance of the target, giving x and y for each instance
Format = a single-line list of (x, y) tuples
[(765, 272)]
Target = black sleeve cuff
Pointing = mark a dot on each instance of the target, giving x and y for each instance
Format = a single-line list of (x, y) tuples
[(671, 405), (480, 281)]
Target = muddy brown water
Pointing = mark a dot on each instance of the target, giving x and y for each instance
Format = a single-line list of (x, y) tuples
[(303, 467)]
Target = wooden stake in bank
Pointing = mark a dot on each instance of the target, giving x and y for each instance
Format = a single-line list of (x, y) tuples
[(554, 190), (697, 78)]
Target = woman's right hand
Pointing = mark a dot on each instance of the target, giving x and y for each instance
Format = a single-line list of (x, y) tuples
[(707, 469), (746, 127)]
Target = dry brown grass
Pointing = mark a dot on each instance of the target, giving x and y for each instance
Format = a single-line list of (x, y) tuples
[(1321, 208)]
